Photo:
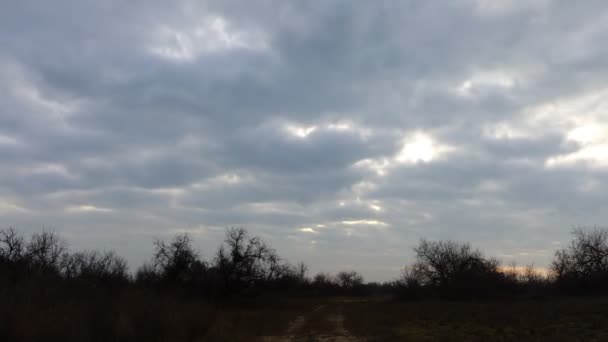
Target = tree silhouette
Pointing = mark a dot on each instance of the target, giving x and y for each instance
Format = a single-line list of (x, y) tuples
[(453, 269), (44, 252), (583, 265), (245, 261), (93, 266)]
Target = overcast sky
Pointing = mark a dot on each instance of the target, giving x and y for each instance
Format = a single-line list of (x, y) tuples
[(340, 131)]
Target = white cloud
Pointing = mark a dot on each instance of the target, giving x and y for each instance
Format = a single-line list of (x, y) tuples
[(300, 131), (8, 140), (213, 34), (307, 230), (486, 79), (85, 208), (364, 223), (7, 206), (421, 147)]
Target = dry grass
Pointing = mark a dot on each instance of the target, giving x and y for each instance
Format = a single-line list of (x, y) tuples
[(562, 319), (36, 312), (33, 311)]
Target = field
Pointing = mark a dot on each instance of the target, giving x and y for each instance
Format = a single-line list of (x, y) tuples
[(36, 313), (54, 313), (563, 319)]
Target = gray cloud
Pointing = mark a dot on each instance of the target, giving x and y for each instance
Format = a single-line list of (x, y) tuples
[(371, 124)]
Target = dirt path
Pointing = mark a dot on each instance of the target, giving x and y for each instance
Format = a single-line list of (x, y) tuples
[(331, 329)]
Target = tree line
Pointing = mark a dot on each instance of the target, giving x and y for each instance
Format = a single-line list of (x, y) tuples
[(246, 265)]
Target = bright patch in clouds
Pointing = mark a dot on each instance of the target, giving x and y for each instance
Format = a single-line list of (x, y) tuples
[(420, 147), (485, 79), (7, 140), (300, 131), (307, 230), (364, 223), (375, 207), (588, 133), (584, 119), (506, 130), (597, 155), (379, 166), (593, 139), (342, 126), (8, 206), (214, 34), (88, 209)]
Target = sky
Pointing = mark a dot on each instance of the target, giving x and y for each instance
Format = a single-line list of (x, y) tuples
[(341, 132)]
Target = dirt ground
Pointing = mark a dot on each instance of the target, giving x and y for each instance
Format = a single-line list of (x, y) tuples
[(323, 324)]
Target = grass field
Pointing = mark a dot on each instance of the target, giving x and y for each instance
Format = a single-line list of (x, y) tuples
[(562, 319), (38, 313), (34, 313), (557, 319)]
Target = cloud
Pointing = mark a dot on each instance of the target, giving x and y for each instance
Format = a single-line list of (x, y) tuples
[(341, 132)]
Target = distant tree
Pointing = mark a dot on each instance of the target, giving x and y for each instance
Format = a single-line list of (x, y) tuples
[(349, 279), (324, 279), (325, 284), (454, 269), (12, 246), (301, 272), (44, 252), (532, 276), (583, 265), (146, 275), (408, 278), (93, 266), (408, 285), (244, 261), (176, 262)]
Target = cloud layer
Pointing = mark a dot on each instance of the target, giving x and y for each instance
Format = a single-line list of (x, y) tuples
[(340, 131)]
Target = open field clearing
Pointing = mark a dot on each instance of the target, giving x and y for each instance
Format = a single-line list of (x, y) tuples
[(31, 313), (555, 319)]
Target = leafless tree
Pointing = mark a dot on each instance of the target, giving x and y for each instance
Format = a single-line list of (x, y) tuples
[(301, 271), (441, 262), (349, 279), (45, 250), (95, 266), (176, 261), (455, 270), (325, 283), (531, 276), (244, 261), (585, 260), (12, 245)]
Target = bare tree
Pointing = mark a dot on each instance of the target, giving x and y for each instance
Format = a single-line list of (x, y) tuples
[(301, 271), (244, 261), (176, 261), (44, 251), (531, 276), (585, 260), (409, 278), (12, 245), (146, 275), (325, 283), (454, 269), (105, 267), (349, 279)]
